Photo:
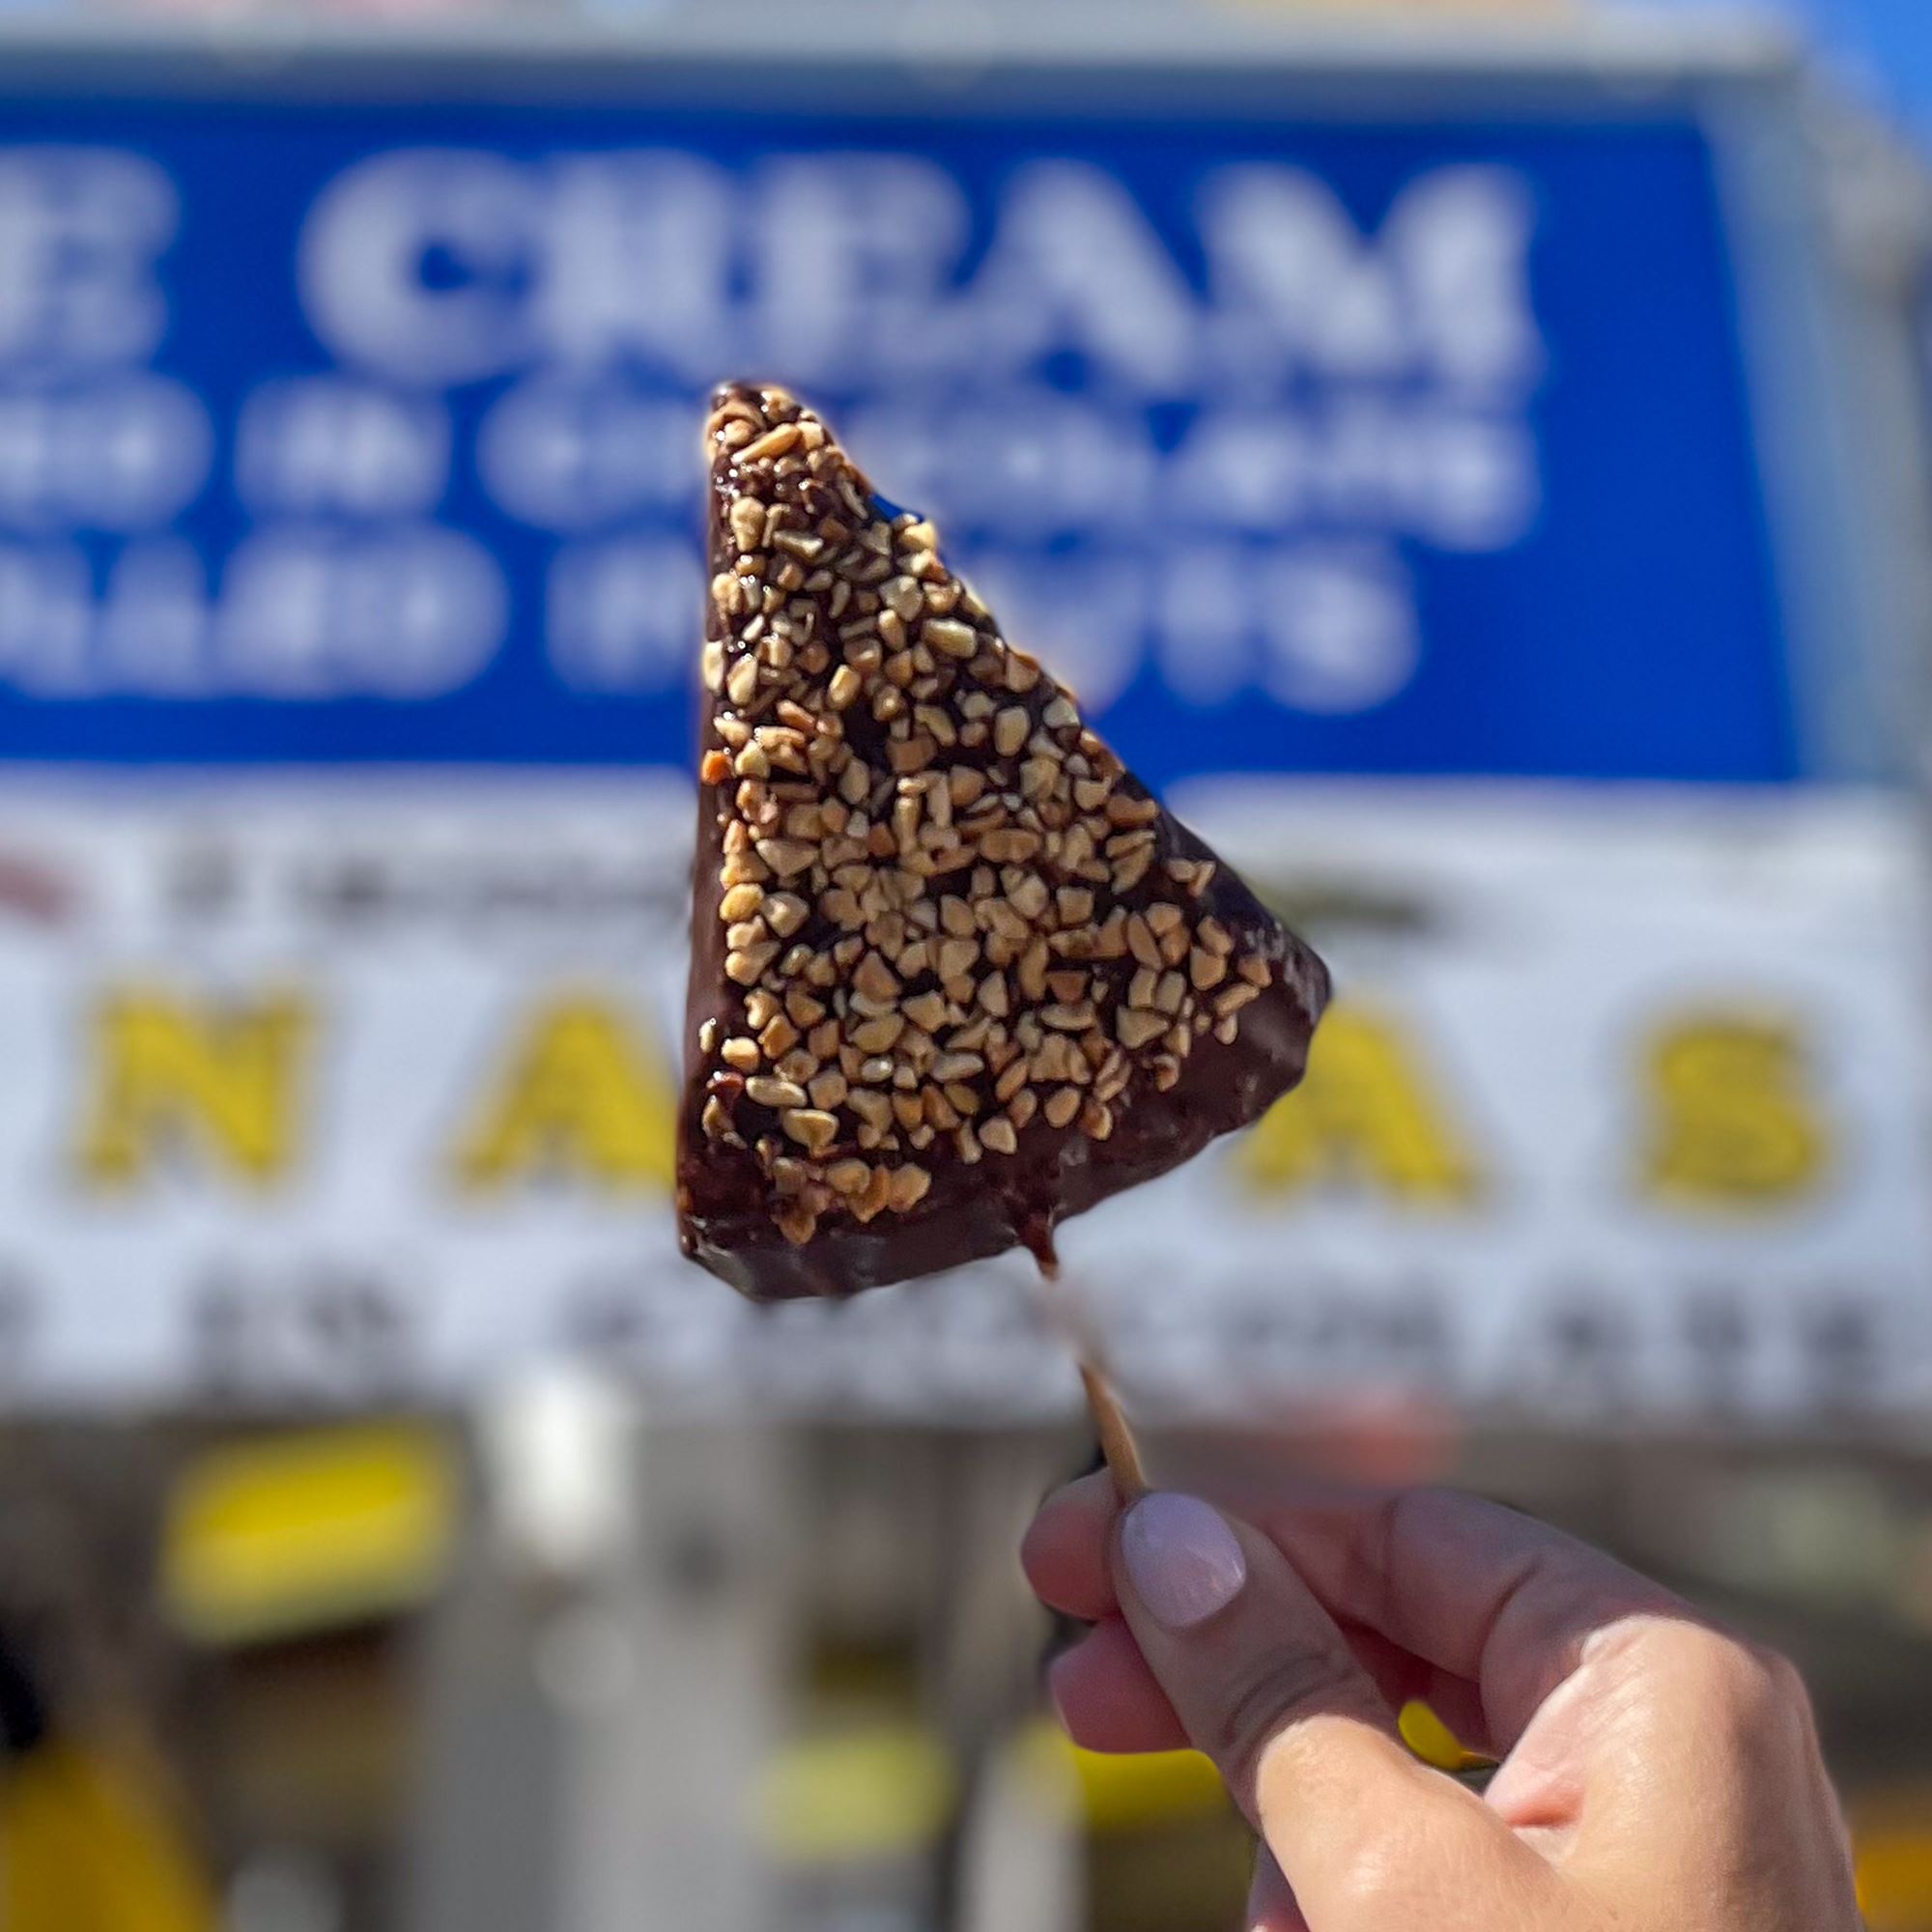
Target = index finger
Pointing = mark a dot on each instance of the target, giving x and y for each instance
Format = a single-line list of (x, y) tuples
[(1064, 1552), (1477, 1590), (1471, 1586)]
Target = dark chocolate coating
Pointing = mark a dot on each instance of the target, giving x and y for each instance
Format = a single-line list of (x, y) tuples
[(971, 1210), (726, 1225)]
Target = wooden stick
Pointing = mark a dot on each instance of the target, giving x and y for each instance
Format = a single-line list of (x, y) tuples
[(1117, 1447)]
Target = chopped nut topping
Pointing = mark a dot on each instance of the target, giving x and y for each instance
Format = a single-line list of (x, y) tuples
[(1068, 1019), (880, 1035), (785, 913), (950, 635), (956, 956), (811, 1127), (909, 1186), (786, 857), (1205, 969), (871, 1203), (747, 965), (741, 681), (772, 443), (1010, 846), (875, 979), (931, 873), (926, 1010), (766, 1090)]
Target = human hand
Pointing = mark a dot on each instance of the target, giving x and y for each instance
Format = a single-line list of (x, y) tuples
[(1658, 1776)]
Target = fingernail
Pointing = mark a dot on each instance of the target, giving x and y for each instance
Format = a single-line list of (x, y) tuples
[(1183, 1560)]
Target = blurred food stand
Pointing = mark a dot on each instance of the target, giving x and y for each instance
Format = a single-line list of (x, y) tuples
[(1478, 474)]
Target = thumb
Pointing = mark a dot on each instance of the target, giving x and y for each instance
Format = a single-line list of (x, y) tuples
[(1264, 1683)]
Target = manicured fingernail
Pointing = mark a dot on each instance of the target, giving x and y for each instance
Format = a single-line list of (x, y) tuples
[(1183, 1560)]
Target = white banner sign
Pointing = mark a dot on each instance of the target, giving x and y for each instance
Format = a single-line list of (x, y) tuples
[(350, 1090)]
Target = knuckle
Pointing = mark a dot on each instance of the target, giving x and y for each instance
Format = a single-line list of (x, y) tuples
[(1751, 1684), (1368, 1881), (1272, 1692), (1407, 1521), (1765, 1689), (1742, 1675), (1784, 1681), (1427, 1867), (1391, 1866)]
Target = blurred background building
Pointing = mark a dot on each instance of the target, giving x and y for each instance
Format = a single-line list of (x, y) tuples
[(1470, 457)]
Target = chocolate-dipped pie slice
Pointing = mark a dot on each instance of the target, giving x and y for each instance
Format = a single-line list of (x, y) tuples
[(955, 974)]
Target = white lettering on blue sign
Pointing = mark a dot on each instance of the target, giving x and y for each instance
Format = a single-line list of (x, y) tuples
[(303, 612), (563, 453), (116, 451), (81, 230), (1205, 468), (446, 267), (330, 445), (619, 612), (1440, 293)]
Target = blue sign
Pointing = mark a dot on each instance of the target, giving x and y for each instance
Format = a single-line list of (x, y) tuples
[(345, 431)]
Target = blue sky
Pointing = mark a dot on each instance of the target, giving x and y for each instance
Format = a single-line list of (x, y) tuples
[(1886, 45)]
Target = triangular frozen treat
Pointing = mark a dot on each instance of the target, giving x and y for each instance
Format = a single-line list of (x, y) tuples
[(955, 974)]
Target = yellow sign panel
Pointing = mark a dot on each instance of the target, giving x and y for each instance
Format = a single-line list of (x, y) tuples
[(873, 1792), (1892, 1843), (1125, 1792), (272, 1537), (88, 1843)]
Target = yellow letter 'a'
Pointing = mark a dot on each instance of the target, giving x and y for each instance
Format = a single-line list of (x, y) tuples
[(1366, 1114), (582, 1096)]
